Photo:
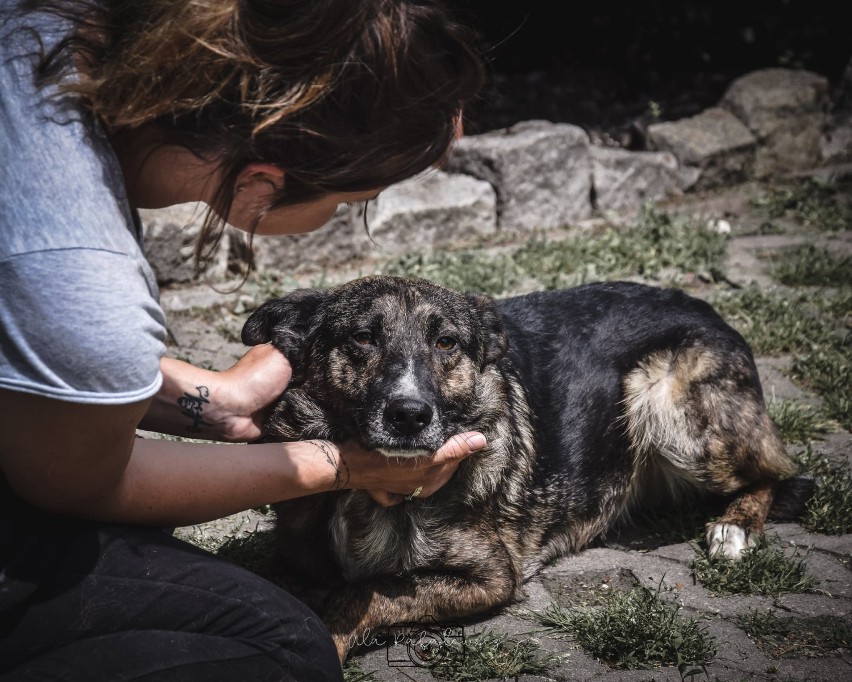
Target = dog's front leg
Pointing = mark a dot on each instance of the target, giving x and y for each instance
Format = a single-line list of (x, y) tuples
[(363, 610)]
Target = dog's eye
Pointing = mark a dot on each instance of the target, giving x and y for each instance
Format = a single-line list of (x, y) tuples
[(363, 338), (445, 343)]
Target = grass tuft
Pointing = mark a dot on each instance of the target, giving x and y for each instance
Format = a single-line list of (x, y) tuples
[(811, 202), (814, 330), (811, 266), (773, 324), (464, 270), (798, 422), (827, 369), (353, 672), (660, 246), (487, 655), (829, 510), (796, 637), (635, 629), (763, 570)]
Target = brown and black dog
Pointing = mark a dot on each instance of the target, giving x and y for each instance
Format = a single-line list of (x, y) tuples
[(595, 401)]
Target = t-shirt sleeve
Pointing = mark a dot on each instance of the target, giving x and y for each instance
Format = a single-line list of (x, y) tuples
[(80, 325)]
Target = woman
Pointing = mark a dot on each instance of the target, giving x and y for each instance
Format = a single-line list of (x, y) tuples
[(272, 113)]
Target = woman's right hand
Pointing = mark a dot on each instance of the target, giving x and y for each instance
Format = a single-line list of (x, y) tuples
[(389, 480)]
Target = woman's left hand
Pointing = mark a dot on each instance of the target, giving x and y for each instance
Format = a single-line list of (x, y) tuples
[(226, 406), (250, 387)]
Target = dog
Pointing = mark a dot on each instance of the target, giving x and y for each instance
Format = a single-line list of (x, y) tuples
[(595, 401)]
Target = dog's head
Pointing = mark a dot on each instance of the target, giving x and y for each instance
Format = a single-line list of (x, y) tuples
[(396, 364)]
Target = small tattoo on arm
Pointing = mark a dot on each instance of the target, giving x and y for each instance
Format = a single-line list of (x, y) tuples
[(193, 405), (341, 478)]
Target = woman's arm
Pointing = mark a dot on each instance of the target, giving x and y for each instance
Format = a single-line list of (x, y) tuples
[(84, 460)]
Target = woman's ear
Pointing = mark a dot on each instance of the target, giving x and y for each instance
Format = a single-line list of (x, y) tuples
[(258, 178), (254, 191)]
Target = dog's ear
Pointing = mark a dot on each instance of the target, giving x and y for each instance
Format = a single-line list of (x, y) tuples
[(495, 342), (287, 323)]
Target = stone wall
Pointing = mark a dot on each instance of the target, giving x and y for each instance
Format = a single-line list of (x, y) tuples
[(538, 175)]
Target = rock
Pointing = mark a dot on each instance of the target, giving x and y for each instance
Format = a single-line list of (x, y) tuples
[(339, 241), (624, 181), (540, 172), (786, 110), (836, 142), (169, 240), (714, 143), (433, 209)]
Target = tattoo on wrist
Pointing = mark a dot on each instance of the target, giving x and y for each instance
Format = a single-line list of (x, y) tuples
[(341, 478), (193, 405)]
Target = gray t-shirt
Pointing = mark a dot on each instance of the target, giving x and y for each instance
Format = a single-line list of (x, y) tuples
[(79, 312)]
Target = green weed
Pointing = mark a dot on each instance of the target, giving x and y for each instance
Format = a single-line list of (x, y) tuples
[(353, 672), (796, 637), (487, 655), (660, 246), (810, 265), (811, 202), (473, 271), (827, 370), (813, 329), (798, 422), (772, 323), (829, 509), (635, 629), (763, 570)]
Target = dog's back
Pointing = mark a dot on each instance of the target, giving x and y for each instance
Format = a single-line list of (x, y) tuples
[(640, 395)]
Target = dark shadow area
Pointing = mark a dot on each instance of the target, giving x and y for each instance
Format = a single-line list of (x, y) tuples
[(604, 65)]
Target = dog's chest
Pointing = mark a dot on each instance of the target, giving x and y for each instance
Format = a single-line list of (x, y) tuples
[(369, 540)]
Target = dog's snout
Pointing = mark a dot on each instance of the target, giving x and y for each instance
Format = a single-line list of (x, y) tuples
[(408, 416)]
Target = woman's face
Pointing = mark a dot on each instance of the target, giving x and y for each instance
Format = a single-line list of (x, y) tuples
[(294, 219)]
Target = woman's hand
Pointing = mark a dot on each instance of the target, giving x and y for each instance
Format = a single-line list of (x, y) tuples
[(250, 387), (389, 480), (225, 406)]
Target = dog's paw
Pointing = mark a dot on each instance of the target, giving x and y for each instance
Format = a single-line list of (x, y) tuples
[(728, 540)]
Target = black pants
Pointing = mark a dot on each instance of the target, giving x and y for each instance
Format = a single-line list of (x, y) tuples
[(92, 602)]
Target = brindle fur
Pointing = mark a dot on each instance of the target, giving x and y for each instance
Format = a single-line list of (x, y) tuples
[(594, 400)]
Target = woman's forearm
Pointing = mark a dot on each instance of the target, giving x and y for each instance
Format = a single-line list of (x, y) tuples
[(176, 483)]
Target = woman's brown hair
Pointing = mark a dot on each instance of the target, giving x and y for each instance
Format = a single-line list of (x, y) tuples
[(344, 95)]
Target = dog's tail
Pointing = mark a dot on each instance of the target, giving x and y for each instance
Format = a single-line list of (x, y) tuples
[(791, 498)]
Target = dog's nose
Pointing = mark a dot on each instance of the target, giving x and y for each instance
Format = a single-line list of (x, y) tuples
[(408, 416)]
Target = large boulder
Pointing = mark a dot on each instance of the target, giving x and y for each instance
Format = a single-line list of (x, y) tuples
[(540, 171), (836, 143), (714, 147), (432, 210), (786, 110)]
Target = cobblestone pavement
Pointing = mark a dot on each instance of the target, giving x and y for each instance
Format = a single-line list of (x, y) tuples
[(208, 335)]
